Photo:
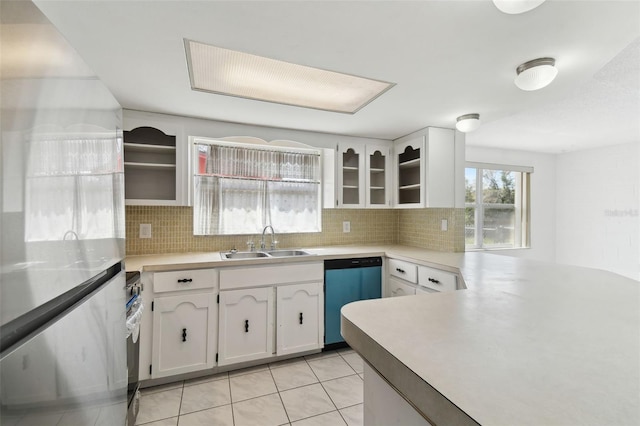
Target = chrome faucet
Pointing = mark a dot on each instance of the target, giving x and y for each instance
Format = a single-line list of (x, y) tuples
[(273, 238)]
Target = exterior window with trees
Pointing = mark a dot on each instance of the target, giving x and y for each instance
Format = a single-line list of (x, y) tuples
[(497, 207)]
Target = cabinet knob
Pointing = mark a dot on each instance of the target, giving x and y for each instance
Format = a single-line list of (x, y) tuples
[(400, 270), (246, 326), (433, 280), (300, 317), (184, 334), (185, 280)]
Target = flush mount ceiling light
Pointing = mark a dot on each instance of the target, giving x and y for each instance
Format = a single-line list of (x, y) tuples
[(468, 122), (536, 74), (513, 7), (229, 72)]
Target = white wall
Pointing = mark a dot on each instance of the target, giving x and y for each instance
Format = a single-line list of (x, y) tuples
[(597, 209), (543, 197)]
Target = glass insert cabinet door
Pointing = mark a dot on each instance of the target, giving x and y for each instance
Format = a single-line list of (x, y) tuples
[(351, 177), (378, 176)]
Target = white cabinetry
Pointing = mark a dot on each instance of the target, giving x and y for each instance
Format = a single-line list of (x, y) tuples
[(300, 317), (154, 161), (383, 405), (436, 279), (364, 175), (184, 322), (351, 175), (398, 287), (406, 278), (246, 325), (403, 277), (426, 169), (181, 330), (249, 298), (410, 173), (378, 176)]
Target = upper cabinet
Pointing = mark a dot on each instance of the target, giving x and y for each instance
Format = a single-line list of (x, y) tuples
[(410, 173), (351, 175), (364, 175), (427, 169), (378, 176), (154, 162)]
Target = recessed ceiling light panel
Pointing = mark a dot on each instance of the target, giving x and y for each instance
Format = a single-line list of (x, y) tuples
[(229, 72)]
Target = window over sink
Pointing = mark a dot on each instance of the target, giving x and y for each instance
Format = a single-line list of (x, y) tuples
[(244, 184), (497, 206)]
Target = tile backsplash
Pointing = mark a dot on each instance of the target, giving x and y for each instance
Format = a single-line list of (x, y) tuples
[(172, 230)]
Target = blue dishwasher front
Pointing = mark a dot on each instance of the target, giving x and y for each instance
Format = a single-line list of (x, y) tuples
[(346, 281)]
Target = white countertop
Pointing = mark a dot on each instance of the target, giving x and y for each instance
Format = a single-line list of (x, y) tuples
[(526, 343), (174, 261)]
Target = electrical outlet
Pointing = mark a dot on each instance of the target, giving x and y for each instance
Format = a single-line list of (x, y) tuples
[(145, 230), (346, 226), (444, 225)]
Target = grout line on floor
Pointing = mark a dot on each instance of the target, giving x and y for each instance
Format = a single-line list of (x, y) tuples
[(284, 407)]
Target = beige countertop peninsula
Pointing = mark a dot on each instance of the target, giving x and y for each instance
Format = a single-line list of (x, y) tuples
[(526, 343)]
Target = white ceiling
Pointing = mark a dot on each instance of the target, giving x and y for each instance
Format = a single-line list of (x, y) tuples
[(447, 58)]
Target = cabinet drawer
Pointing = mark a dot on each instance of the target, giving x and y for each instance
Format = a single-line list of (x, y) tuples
[(400, 288), (259, 276), (405, 270), (184, 280), (436, 279)]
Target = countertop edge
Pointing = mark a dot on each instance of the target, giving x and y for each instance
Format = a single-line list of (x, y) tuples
[(425, 398), (203, 260)]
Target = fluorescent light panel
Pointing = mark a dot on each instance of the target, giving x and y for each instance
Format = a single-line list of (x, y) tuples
[(229, 72)]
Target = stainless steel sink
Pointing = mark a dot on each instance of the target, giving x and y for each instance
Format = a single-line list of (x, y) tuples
[(288, 253), (244, 255), (263, 254)]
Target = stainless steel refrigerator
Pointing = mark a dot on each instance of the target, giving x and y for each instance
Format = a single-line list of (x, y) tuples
[(62, 291)]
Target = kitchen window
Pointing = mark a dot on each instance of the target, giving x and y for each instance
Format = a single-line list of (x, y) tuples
[(497, 206), (73, 181), (239, 188)]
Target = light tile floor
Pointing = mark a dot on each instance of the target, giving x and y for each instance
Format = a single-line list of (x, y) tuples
[(316, 390)]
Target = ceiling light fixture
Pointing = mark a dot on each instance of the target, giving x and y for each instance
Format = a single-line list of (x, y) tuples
[(536, 74), (468, 122), (513, 7), (229, 72)]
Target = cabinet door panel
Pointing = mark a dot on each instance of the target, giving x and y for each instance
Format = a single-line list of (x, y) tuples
[(300, 318), (378, 176), (351, 176), (182, 341), (399, 288), (246, 325), (440, 172)]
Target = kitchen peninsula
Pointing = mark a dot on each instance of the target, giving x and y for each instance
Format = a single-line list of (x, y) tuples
[(526, 343), (522, 342)]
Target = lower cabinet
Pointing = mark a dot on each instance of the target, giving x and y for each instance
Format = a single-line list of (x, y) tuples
[(300, 318), (268, 311), (383, 405), (246, 325), (184, 333), (399, 288), (406, 279)]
